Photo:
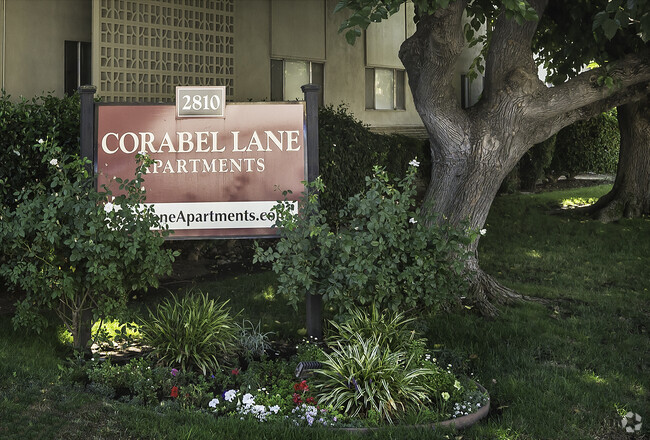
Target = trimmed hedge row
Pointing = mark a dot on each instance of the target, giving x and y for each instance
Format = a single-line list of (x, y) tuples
[(348, 150), (585, 146)]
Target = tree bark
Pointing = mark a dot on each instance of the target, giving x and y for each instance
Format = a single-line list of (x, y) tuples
[(473, 149), (630, 195)]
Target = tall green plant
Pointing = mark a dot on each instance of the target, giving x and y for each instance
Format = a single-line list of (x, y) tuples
[(78, 251), (193, 332), (384, 255)]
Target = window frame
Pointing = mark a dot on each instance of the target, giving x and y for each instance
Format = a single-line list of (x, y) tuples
[(310, 68), (77, 65), (399, 83)]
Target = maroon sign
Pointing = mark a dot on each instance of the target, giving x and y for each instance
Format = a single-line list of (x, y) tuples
[(211, 177)]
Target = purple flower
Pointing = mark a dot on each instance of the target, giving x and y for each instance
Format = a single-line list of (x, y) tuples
[(174, 372)]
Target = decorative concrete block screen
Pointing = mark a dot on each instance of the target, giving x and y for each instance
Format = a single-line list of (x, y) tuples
[(144, 49)]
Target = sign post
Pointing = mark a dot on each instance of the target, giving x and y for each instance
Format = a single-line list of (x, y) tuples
[(216, 168), (314, 303)]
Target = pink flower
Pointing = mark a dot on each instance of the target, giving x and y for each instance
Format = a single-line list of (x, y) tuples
[(174, 372)]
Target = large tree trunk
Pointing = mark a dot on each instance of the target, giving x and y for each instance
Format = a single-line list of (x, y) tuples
[(473, 149), (630, 196)]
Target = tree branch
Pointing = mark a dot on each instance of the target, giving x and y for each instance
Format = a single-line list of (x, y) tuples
[(509, 52), (581, 97)]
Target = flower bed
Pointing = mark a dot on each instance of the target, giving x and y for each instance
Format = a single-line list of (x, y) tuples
[(268, 392)]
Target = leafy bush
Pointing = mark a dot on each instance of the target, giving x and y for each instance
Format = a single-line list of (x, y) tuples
[(386, 256), (73, 251), (587, 146), (193, 332), (348, 151), (21, 124)]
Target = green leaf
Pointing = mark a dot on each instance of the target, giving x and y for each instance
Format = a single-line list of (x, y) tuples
[(610, 27)]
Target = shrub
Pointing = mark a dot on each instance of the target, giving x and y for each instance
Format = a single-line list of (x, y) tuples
[(363, 376), (73, 251), (386, 256), (379, 368), (587, 146), (23, 122), (348, 151), (193, 332)]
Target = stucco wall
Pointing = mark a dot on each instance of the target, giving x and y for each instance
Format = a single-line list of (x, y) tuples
[(34, 42), (252, 50), (344, 65)]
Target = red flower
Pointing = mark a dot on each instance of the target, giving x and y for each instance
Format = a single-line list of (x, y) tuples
[(235, 372), (301, 387), (311, 401), (174, 392), (297, 399)]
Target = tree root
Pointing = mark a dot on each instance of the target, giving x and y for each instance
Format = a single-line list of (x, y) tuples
[(487, 293)]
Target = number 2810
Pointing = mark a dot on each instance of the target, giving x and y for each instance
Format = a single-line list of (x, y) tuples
[(201, 102)]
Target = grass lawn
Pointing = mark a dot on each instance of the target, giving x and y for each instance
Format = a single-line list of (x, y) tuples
[(561, 372)]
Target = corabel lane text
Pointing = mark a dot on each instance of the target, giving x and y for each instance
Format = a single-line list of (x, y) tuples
[(199, 142)]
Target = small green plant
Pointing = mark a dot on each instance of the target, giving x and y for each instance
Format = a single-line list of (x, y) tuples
[(193, 332), (384, 255), (78, 251), (252, 342)]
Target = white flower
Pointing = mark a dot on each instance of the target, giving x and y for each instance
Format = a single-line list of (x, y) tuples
[(230, 395), (483, 231), (108, 207), (54, 162), (40, 141), (414, 163), (445, 395), (213, 403), (248, 399), (412, 220), (274, 409)]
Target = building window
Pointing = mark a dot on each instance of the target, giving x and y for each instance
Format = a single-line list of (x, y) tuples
[(77, 66), (385, 89), (288, 76)]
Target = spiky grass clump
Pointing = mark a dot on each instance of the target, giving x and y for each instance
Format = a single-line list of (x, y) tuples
[(193, 332), (364, 378)]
